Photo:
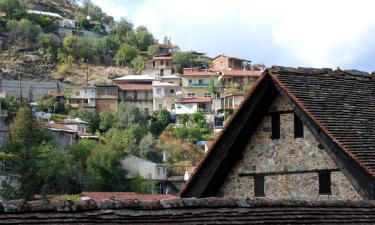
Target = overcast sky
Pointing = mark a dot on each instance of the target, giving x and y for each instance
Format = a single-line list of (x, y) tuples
[(318, 33)]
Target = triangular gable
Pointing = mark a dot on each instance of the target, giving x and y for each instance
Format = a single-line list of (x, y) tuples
[(227, 150)]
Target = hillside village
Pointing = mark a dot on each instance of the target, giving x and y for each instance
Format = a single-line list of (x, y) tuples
[(100, 121)]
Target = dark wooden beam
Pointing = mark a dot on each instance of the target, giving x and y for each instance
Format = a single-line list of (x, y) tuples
[(250, 174)]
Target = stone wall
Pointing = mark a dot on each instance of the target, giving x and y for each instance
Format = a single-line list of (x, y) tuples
[(264, 155)]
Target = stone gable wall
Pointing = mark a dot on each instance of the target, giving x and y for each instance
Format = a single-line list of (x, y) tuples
[(262, 155)]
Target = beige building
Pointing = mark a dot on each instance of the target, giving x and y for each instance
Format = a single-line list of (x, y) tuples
[(136, 89), (164, 95), (195, 83)]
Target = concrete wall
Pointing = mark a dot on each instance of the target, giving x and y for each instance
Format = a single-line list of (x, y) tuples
[(262, 154), (146, 169)]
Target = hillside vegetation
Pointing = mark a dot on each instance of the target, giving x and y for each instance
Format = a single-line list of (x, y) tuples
[(32, 48)]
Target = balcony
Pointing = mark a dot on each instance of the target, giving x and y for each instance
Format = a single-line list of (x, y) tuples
[(82, 105), (3, 113), (197, 85)]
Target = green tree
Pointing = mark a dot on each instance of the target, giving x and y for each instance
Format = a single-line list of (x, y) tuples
[(184, 118), (138, 64), (130, 116), (107, 120), (104, 170), (160, 120), (248, 85), (82, 150), (233, 88), (23, 31), (147, 149), (10, 103), (14, 9), (182, 60), (122, 29), (46, 103), (124, 142), (125, 54), (199, 118), (153, 50), (34, 165)]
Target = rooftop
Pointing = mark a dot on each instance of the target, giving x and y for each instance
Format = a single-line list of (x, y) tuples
[(187, 211), (58, 127), (99, 196), (135, 78), (195, 100)]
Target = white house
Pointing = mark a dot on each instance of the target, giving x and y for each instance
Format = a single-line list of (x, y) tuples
[(146, 169)]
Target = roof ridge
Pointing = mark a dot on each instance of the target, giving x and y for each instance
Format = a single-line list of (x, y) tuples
[(352, 73), (21, 205)]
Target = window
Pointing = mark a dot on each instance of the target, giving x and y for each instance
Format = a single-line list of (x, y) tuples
[(161, 62), (190, 106), (222, 63), (153, 64), (135, 95), (160, 106), (207, 94), (173, 106), (171, 91), (275, 123), (191, 95), (158, 171), (324, 182), (161, 72), (158, 91), (190, 81), (298, 127), (259, 186), (200, 81), (167, 63)]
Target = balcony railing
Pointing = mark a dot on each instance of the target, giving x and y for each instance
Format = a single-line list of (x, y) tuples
[(82, 105), (198, 85)]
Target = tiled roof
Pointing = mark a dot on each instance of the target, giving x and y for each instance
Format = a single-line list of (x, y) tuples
[(195, 100), (337, 105), (59, 127), (242, 73), (135, 86), (230, 57), (342, 103), (98, 196), (188, 211)]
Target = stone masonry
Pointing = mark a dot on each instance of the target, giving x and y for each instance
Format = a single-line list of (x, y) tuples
[(264, 155)]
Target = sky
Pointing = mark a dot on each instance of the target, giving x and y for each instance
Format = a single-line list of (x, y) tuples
[(316, 33)]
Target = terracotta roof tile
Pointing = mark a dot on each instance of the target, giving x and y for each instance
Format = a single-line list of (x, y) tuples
[(195, 100), (59, 127)]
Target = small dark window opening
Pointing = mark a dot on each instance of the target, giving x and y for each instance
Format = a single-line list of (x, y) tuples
[(324, 182), (259, 186), (275, 123), (298, 127)]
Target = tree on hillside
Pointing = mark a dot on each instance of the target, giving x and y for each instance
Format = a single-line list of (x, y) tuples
[(23, 32), (125, 55), (107, 120), (122, 29), (160, 120), (46, 103), (34, 164), (130, 116), (182, 60), (141, 38), (138, 64), (14, 9), (104, 170)]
